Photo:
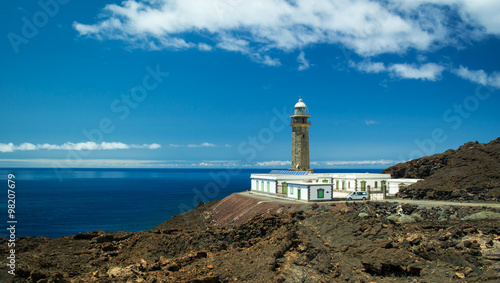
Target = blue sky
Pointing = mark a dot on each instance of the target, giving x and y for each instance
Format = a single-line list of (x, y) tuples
[(170, 83)]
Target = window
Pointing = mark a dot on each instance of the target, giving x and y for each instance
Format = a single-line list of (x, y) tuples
[(262, 185), (321, 193), (268, 190), (376, 184), (349, 185), (337, 185), (291, 190)]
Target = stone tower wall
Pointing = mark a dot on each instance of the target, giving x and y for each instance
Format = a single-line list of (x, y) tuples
[(300, 143)]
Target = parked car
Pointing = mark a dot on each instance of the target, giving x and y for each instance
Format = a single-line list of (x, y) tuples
[(357, 195)]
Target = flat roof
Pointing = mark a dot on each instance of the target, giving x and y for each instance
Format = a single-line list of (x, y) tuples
[(324, 175), (310, 183)]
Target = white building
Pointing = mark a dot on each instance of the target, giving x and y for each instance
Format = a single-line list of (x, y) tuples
[(304, 185), (301, 183), (394, 185)]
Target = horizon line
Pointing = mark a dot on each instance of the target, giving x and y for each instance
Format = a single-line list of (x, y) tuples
[(187, 164)]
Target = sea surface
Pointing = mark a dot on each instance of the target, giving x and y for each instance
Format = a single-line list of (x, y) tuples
[(55, 203)]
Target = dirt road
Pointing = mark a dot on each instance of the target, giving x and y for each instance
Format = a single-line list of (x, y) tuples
[(262, 197), (444, 203)]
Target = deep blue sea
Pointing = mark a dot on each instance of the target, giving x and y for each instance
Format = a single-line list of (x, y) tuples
[(54, 203)]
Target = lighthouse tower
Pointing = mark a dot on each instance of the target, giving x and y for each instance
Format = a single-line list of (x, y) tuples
[(300, 137)]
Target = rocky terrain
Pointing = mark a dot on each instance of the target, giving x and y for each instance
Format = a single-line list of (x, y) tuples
[(470, 173), (245, 239)]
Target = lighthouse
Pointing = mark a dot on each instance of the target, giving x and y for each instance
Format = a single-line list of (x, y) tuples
[(300, 137)]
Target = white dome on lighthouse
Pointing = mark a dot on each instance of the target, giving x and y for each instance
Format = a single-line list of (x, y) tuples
[(300, 104), (300, 109)]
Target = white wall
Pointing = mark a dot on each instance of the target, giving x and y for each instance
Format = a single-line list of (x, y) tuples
[(339, 194), (350, 185), (294, 194), (347, 187), (272, 187), (254, 184), (393, 184), (269, 186), (371, 183), (376, 196), (257, 185), (314, 192), (279, 187), (292, 191), (304, 194), (393, 188)]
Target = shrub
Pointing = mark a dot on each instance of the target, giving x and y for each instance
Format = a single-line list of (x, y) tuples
[(482, 215), (363, 215), (406, 219), (417, 217), (393, 217)]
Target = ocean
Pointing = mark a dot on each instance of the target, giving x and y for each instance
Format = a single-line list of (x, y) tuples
[(54, 203)]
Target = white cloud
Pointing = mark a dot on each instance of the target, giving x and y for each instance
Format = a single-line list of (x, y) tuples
[(482, 13), (260, 26), (485, 12), (86, 29), (267, 60), (363, 162), (494, 80), (371, 122), (26, 146), (131, 163), (421, 58), (369, 67), (324, 164), (234, 44), (6, 147), (10, 147), (204, 47), (205, 144), (231, 43), (428, 71), (81, 163), (303, 62), (479, 76), (273, 163), (152, 146)]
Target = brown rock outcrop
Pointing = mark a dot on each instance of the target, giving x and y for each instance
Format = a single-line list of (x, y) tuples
[(472, 172)]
